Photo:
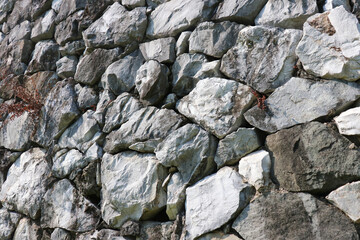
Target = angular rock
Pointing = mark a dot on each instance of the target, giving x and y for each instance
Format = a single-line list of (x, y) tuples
[(73, 48), (60, 233), (236, 145), (152, 82), (299, 101), (44, 27), (20, 31), (68, 30), (7, 158), (161, 50), (128, 193), (86, 180), (66, 163), (175, 196), (156, 230), (116, 27), (155, 3), (214, 39), (347, 199), (145, 124), (26, 183), (6, 7), (93, 10), (262, 70), (40, 82), (86, 97), (218, 206), (217, 235), (281, 215), (56, 4), (27, 230), (165, 22), (170, 101), (44, 57), (133, 3), (332, 37), (148, 146), (286, 14), (130, 228), (66, 66), (217, 105), (8, 223), (331, 4), (182, 44), (63, 207), (108, 234), (68, 7), (313, 158), (93, 65), (105, 98), (348, 122)]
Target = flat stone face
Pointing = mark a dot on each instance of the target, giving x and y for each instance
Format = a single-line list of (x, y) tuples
[(348, 122), (331, 4), (68, 7), (290, 215), (161, 50), (312, 157), (67, 162), (217, 104), (68, 29), (332, 37), (156, 230), (175, 192), (222, 196), (299, 101), (128, 193), (8, 223), (286, 14), (44, 27), (44, 57), (262, 70), (217, 235), (182, 44), (27, 229), (66, 66), (86, 97)]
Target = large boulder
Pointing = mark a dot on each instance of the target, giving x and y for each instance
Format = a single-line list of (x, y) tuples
[(68, 30), (44, 27), (67, 7), (161, 50), (348, 122), (44, 57)]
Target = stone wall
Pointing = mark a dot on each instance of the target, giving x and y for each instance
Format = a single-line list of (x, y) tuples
[(180, 119)]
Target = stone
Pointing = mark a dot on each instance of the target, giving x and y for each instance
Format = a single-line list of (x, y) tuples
[(347, 199), (214, 39), (332, 37), (86, 97), (223, 195), (86, 180), (44, 57), (348, 122), (165, 22), (20, 31), (68, 29), (145, 124), (72, 48), (152, 82), (236, 145), (148, 146), (155, 231), (27, 230), (26, 183), (155, 3), (262, 70), (119, 111), (331, 4), (298, 102), (282, 215), (217, 105), (66, 163), (241, 11), (93, 10), (108, 234), (6, 7), (116, 27), (130, 228), (182, 44), (188, 69), (105, 98), (40, 82), (68, 7), (8, 222), (60, 233), (7, 158), (66, 66), (217, 235), (129, 194), (120, 76), (44, 27), (286, 14), (63, 207), (161, 50), (255, 169), (316, 159), (56, 4), (170, 101), (92, 66), (175, 196)]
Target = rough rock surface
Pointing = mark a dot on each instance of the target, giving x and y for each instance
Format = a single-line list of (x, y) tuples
[(217, 235), (27, 230), (182, 44), (60, 233), (66, 66), (86, 97), (330, 4), (161, 50), (348, 122), (44, 27), (64, 164), (8, 223), (44, 58), (68, 30), (175, 196)]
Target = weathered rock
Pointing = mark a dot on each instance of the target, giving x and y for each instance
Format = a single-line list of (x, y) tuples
[(217, 235), (60, 233), (218, 205), (63, 207), (182, 44), (105, 98), (66, 66), (68, 7), (333, 38), (108, 234), (130, 228), (145, 124), (93, 10), (116, 27), (155, 3), (292, 216), (17, 54), (8, 223), (188, 69), (6, 7), (120, 76), (243, 11), (133, 3), (331, 4), (298, 102), (69, 161), (44, 57), (44, 27), (27, 230), (128, 193), (86, 180), (170, 101), (155, 231), (148, 146), (348, 122), (161, 50), (262, 70), (26, 183), (217, 105), (214, 39), (165, 22), (152, 82), (7, 158), (86, 97), (286, 14), (73, 48), (19, 32), (312, 158), (56, 4), (40, 82), (93, 65), (68, 30), (236, 145), (175, 196)]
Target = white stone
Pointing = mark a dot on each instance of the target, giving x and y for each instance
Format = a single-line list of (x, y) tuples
[(175, 196), (133, 3), (217, 235), (44, 27), (66, 66), (8, 223), (182, 44), (348, 122), (68, 162), (105, 98), (27, 230), (330, 4), (161, 50)]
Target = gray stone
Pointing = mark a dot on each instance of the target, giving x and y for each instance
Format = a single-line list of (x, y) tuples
[(332, 37), (217, 235), (105, 98), (116, 27), (165, 22), (128, 193), (60, 233), (175, 196), (130, 228), (145, 124), (93, 65), (8, 223), (262, 70), (222, 196), (44, 27), (27, 230), (182, 44), (348, 122), (152, 82), (86, 180), (40, 82), (156, 231), (72, 48), (44, 57), (68, 7), (68, 30), (282, 215), (20, 31), (298, 102), (56, 4), (7, 158), (161, 50), (63, 207), (66, 66), (86, 97), (133, 3), (313, 158), (331, 4), (64, 164), (217, 104), (286, 14), (148, 146), (108, 234), (6, 7), (26, 183), (155, 3), (236, 145), (170, 101), (214, 39), (94, 9)]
